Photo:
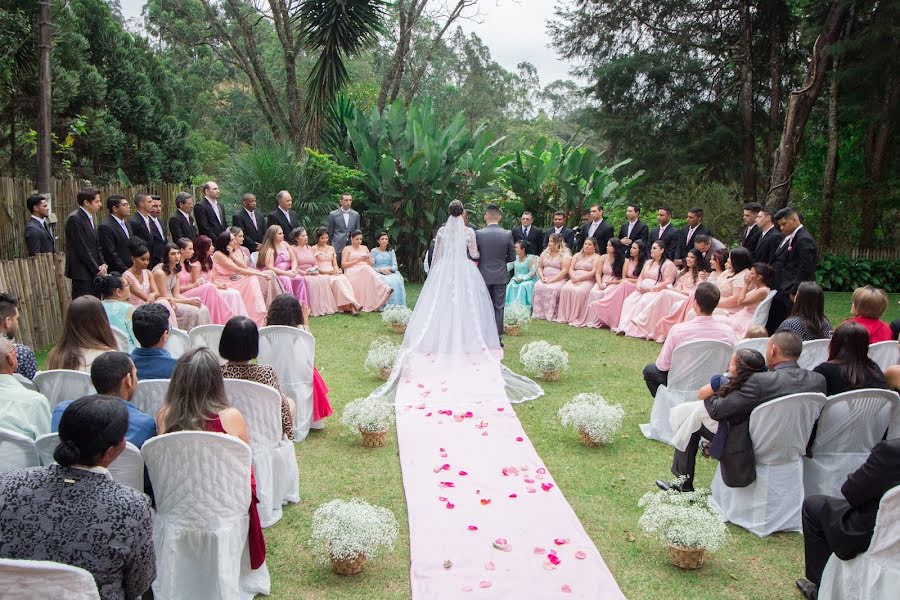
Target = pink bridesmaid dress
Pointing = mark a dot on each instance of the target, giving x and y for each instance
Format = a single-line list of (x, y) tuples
[(296, 285), (573, 297), (340, 285), (644, 322), (221, 304), (607, 283), (321, 298), (368, 288), (247, 286), (741, 320), (608, 308), (636, 303), (270, 287), (144, 286), (545, 301)]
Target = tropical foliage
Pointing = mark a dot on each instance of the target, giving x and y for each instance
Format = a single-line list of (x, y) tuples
[(843, 274)]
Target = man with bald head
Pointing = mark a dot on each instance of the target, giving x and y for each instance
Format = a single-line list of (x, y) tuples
[(209, 213), (251, 222), (283, 216)]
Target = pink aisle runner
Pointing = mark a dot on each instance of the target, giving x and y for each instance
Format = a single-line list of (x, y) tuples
[(480, 499)]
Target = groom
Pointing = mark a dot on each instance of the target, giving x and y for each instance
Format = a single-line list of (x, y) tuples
[(495, 245)]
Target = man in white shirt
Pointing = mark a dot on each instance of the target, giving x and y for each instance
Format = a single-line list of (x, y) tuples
[(341, 222), (596, 228)]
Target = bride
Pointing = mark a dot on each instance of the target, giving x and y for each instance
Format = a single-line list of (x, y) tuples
[(452, 326)]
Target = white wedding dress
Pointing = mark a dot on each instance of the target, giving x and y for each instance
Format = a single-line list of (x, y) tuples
[(452, 327)]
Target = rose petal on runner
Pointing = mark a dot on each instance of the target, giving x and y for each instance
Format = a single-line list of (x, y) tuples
[(520, 439), (566, 588), (513, 495), (450, 505), (581, 555), (554, 559), (473, 528), (485, 584), (546, 486), (485, 501), (489, 565), (561, 541), (463, 473), (539, 550)]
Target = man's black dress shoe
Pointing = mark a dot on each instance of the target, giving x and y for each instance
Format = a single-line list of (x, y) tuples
[(671, 485), (809, 590)]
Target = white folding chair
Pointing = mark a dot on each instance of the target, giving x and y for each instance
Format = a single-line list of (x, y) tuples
[(46, 445), (758, 344), (29, 579), (209, 336), (201, 482), (291, 352), (779, 429), (874, 573), (254, 256), (274, 460), (885, 354), (179, 342), (59, 385), (851, 424), (815, 352), (128, 468), (150, 395), (17, 451), (761, 315), (122, 341), (26, 383), (693, 363)]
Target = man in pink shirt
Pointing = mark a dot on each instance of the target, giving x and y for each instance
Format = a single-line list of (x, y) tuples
[(702, 327)]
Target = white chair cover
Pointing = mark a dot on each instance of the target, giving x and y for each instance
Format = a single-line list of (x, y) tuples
[(26, 383), (30, 579), (885, 354), (758, 344), (46, 444), (780, 430), (209, 336), (873, 574), (274, 460), (17, 451), (60, 385), (762, 311), (150, 395), (179, 342), (851, 424), (693, 363), (254, 256), (815, 352), (128, 468), (121, 340), (201, 482), (291, 352)]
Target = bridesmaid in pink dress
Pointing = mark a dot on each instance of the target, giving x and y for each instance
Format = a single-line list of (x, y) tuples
[(734, 287), (608, 308), (223, 303), (609, 275), (242, 257), (553, 270), (274, 255), (321, 298), (573, 297), (142, 286), (190, 312), (245, 281), (657, 275), (369, 289), (754, 291), (645, 322), (685, 311), (326, 262)]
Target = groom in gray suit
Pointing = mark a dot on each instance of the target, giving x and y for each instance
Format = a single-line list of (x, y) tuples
[(342, 222), (495, 246)]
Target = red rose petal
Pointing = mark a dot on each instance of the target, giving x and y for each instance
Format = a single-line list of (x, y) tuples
[(450, 505), (520, 439), (441, 450), (581, 555), (546, 486), (473, 528), (448, 484), (463, 473), (485, 501), (554, 559), (468, 414), (445, 467), (561, 541), (427, 414), (513, 496), (499, 409)]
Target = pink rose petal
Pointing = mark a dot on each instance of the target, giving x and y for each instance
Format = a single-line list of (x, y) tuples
[(463, 473), (443, 454), (499, 409), (466, 588), (441, 450), (566, 588), (445, 467), (485, 584), (473, 528), (528, 480), (561, 541), (436, 469), (468, 414), (513, 496), (554, 559), (427, 414), (549, 566), (581, 555), (546, 486), (542, 470), (531, 490), (442, 498), (520, 439), (450, 505), (446, 484), (421, 385), (489, 565), (484, 433), (539, 550)]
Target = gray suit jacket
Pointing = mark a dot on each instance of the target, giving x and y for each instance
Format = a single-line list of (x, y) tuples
[(738, 462), (495, 245), (337, 231)]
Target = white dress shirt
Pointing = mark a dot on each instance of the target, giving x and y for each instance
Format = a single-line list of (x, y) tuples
[(122, 224)]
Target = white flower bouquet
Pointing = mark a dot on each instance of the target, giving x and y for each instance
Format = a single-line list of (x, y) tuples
[(346, 533), (542, 358), (371, 417), (595, 419), (381, 357), (515, 316), (397, 316)]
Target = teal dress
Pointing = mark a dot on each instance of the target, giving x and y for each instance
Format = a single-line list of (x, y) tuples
[(119, 314), (388, 260), (520, 288)]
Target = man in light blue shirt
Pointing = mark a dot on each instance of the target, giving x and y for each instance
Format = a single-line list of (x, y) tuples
[(113, 374), (21, 410), (150, 323)]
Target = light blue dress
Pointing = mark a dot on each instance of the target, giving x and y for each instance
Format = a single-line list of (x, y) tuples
[(388, 260), (520, 288), (119, 314)]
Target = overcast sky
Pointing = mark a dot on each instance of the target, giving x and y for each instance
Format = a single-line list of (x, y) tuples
[(514, 30)]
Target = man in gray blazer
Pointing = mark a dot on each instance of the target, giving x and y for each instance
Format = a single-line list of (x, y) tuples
[(341, 222), (737, 462), (495, 247)]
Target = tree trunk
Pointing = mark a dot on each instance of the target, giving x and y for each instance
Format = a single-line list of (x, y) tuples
[(44, 98), (800, 106), (748, 142), (776, 65), (460, 6), (877, 138), (831, 161)]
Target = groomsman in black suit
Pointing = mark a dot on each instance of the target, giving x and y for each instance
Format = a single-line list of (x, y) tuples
[(528, 232), (158, 227), (686, 236), (181, 224), (794, 263), (38, 237), (83, 261), (559, 226), (209, 213), (633, 228), (142, 227), (769, 237), (114, 234), (750, 231), (596, 228), (666, 232), (283, 215), (251, 221)]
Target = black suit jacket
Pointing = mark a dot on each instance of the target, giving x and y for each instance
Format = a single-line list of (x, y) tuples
[(38, 238), (150, 236), (568, 236), (738, 463), (640, 231), (207, 223), (535, 238), (276, 217), (180, 227), (82, 248), (684, 244), (253, 234), (766, 246), (794, 263), (750, 239), (602, 235), (669, 238), (114, 245)]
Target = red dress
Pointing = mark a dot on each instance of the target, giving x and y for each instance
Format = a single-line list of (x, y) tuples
[(321, 406), (255, 535), (879, 331)]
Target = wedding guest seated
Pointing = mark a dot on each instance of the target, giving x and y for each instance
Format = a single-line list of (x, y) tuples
[(114, 293), (9, 326), (196, 401), (21, 410), (321, 298), (609, 275), (844, 526), (520, 289), (285, 310), (733, 285), (85, 336), (275, 255), (239, 345), (385, 263), (114, 374), (189, 312), (656, 276), (892, 376), (326, 263), (269, 284), (750, 293), (574, 294), (553, 269), (848, 366), (142, 286), (685, 311), (867, 307), (221, 302), (652, 321), (225, 268), (807, 318), (73, 512), (717, 262), (608, 308), (736, 463), (757, 332), (151, 328), (368, 288), (703, 327)]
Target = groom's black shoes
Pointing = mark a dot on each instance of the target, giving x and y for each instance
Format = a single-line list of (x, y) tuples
[(672, 485), (809, 590)]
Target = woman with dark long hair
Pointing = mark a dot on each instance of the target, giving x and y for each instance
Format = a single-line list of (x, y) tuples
[(575, 293), (608, 308), (245, 281), (368, 288), (321, 298), (733, 282), (326, 264), (658, 275), (807, 317), (222, 302), (385, 263), (848, 366), (651, 322), (189, 312), (754, 290), (142, 285), (86, 335), (114, 291), (609, 275)]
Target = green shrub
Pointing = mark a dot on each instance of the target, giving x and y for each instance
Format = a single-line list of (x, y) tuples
[(845, 274)]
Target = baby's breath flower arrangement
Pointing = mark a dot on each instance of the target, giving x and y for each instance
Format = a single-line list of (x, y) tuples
[(595, 419), (371, 417), (543, 358), (382, 356), (397, 316), (347, 533), (515, 317)]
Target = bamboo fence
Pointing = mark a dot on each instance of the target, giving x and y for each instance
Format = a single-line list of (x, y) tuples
[(43, 293)]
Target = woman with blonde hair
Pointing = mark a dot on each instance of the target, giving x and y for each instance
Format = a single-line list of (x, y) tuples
[(574, 294), (275, 255), (553, 271), (269, 285), (86, 335)]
